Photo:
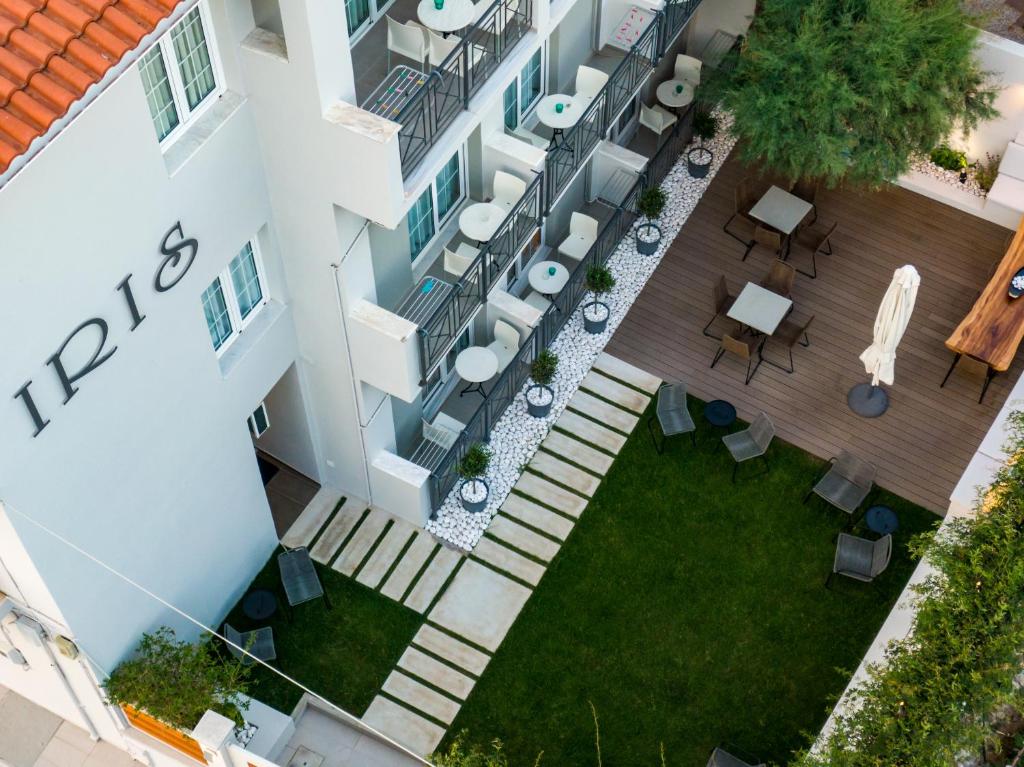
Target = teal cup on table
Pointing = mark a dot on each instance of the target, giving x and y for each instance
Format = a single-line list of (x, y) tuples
[(551, 271), (559, 107), (679, 88)]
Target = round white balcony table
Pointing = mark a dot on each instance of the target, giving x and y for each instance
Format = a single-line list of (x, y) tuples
[(480, 220), (547, 112), (455, 14), (544, 282), (671, 98), (476, 364)]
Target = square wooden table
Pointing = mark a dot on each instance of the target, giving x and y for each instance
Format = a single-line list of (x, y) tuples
[(759, 308), (782, 211)]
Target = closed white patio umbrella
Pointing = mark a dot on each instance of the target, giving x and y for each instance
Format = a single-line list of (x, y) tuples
[(879, 359)]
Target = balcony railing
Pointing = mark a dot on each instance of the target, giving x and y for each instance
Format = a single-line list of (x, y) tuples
[(449, 87), (677, 13), (577, 142), (440, 330), (511, 380)]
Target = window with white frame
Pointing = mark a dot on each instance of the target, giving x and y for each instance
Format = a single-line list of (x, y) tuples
[(179, 74), (523, 93), (436, 205), (234, 297)]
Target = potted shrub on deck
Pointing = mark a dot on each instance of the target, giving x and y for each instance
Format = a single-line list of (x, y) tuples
[(648, 235), (698, 159), (595, 313), (540, 395), (473, 491)]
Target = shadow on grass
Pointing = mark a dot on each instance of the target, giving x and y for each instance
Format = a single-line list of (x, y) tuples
[(691, 611)]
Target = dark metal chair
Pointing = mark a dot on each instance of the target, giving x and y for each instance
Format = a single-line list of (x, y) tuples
[(744, 347), (846, 484), (788, 334), (807, 190), (780, 279), (743, 201), (750, 443), (723, 301), (813, 241), (974, 367), (767, 239), (722, 758), (672, 415), (859, 558), (259, 644)]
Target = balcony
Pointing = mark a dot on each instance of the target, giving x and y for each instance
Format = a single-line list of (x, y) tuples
[(425, 99)]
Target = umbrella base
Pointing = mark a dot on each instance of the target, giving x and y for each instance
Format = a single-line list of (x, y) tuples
[(867, 400)]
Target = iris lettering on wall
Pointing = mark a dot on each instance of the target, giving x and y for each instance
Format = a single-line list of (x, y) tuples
[(179, 253)]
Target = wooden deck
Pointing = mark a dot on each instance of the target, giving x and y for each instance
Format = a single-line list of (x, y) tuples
[(923, 443)]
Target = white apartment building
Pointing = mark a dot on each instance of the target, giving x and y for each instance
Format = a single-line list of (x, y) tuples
[(224, 255)]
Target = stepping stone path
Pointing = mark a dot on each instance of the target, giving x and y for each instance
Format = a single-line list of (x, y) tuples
[(471, 602)]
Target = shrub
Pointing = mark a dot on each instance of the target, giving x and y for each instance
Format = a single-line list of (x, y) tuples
[(542, 371), (948, 158), (705, 126), (599, 279), (986, 170), (475, 462), (651, 203), (177, 681)]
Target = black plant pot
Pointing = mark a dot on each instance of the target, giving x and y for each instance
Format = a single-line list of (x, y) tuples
[(698, 161), (596, 326), (647, 247), (474, 507), (540, 411)]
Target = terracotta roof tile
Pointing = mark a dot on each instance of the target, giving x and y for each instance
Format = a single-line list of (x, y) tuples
[(51, 51)]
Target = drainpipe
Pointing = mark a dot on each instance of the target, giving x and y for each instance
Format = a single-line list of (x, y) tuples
[(36, 628)]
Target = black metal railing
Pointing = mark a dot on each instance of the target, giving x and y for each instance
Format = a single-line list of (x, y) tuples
[(677, 13), (439, 331), (665, 158), (578, 142), (448, 88)]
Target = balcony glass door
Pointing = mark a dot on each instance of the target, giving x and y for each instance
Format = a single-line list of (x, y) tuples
[(357, 13)]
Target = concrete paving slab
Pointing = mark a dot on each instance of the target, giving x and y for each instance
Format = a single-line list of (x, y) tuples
[(522, 538), (550, 494), (621, 395), (451, 649), (433, 578), (420, 697), (537, 516), (404, 726), (480, 605), (439, 674), (385, 554), (312, 518), (631, 374), (398, 582), (348, 517), (509, 561), (361, 542), (25, 730), (603, 412), (573, 450), (594, 433), (551, 467)]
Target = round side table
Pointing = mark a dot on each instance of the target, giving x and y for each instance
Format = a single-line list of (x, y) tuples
[(720, 413), (881, 520), (259, 604)]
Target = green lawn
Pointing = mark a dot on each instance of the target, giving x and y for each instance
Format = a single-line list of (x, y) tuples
[(344, 653), (690, 611)]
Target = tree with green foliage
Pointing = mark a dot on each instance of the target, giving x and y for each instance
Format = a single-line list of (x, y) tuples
[(849, 90), (177, 681)]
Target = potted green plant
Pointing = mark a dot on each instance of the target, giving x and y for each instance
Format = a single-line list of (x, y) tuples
[(699, 158), (948, 158), (650, 205), (540, 395), (474, 489), (596, 312)]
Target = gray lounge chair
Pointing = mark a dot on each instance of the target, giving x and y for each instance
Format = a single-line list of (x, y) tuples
[(258, 643), (860, 558), (299, 578), (722, 758), (846, 484), (672, 415), (750, 443)]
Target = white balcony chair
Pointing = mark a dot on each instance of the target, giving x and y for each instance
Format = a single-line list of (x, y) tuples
[(582, 235), (687, 69), (406, 40), (505, 343), (537, 301), (531, 138), (508, 190), (440, 47), (657, 119), (458, 261), (589, 82)]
